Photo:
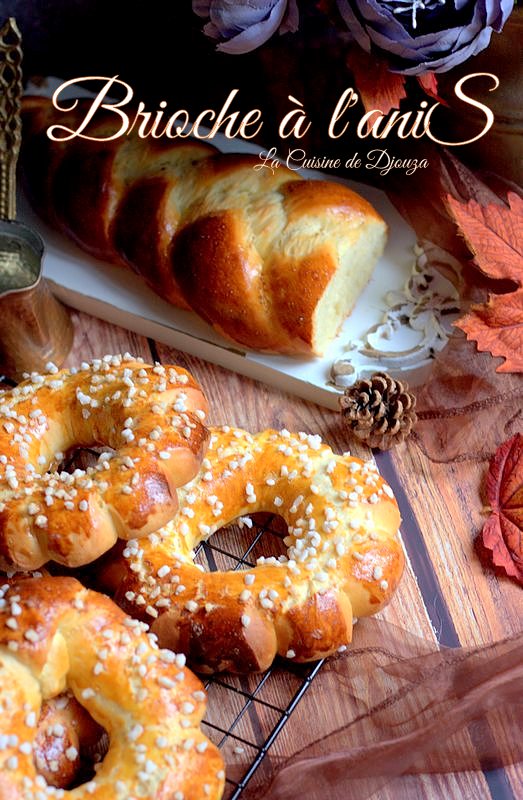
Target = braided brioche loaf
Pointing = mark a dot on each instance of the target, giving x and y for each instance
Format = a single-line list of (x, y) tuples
[(272, 261)]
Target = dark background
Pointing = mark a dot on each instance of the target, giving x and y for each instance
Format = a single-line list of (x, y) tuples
[(159, 49)]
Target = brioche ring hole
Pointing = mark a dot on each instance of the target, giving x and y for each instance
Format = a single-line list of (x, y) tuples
[(79, 457), (241, 542), (69, 743)]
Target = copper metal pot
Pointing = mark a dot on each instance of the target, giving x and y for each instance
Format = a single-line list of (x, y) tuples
[(34, 327)]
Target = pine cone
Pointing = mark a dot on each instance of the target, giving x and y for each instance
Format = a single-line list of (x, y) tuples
[(379, 410)]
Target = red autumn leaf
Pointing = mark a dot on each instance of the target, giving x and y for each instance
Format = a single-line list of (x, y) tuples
[(325, 6), (377, 87), (429, 84), (493, 235), (503, 531)]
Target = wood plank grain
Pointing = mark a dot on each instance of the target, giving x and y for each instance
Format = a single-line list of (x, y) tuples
[(447, 502), (94, 338)]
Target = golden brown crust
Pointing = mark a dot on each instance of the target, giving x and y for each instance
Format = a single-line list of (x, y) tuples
[(326, 197), (149, 245), (83, 214), (208, 249), (152, 417), (150, 706), (66, 739), (343, 555), (313, 274), (254, 252)]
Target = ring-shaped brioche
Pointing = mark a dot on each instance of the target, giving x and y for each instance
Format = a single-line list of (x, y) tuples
[(67, 741), (56, 634), (152, 417), (343, 557)]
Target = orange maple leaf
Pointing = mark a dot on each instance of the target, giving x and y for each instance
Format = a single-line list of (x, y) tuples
[(493, 236)]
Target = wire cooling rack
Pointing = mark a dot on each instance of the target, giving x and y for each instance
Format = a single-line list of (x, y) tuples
[(245, 714)]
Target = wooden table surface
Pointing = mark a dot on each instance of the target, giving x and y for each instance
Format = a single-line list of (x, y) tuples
[(446, 594)]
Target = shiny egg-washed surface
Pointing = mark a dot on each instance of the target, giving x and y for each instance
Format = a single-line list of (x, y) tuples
[(150, 419), (344, 556), (56, 635), (254, 252)]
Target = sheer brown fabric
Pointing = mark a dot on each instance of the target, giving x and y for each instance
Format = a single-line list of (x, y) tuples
[(400, 708), (467, 409)]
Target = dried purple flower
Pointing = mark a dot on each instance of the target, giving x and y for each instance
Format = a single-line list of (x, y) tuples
[(244, 25), (416, 36)]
